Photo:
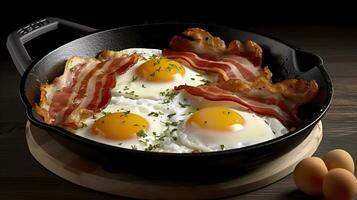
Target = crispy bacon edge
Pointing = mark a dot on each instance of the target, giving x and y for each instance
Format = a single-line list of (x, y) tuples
[(207, 46), (280, 100), (42, 108)]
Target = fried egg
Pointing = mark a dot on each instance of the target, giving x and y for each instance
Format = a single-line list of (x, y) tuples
[(215, 128), (206, 125), (128, 123), (154, 73), (146, 113)]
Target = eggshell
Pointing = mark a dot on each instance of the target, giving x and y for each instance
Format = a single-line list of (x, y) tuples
[(309, 174), (339, 158), (339, 184)]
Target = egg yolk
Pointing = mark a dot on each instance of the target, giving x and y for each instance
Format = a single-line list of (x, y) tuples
[(160, 70), (215, 118), (120, 125)]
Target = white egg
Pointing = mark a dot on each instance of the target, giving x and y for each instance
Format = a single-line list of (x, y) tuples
[(131, 85)]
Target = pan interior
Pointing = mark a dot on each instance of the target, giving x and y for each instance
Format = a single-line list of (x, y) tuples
[(283, 60)]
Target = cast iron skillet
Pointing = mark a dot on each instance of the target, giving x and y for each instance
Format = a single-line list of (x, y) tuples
[(284, 60)]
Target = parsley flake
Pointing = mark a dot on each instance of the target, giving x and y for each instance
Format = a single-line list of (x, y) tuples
[(171, 115), (222, 147), (141, 133), (83, 125), (183, 105)]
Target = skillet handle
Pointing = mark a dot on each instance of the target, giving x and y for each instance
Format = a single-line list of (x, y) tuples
[(16, 40)]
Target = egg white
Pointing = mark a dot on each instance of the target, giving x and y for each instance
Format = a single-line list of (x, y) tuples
[(131, 85), (256, 129), (171, 133)]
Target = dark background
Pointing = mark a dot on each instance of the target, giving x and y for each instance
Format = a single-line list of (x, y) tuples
[(328, 29), (106, 14)]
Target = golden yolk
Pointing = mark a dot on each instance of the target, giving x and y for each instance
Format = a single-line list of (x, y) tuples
[(160, 70), (215, 118), (120, 125)]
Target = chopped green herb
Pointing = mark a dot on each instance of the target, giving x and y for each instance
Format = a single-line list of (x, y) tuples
[(171, 115), (193, 79), (205, 81), (168, 93), (155, 114), (105, 113), (134, 78), (152, 147), (153, 56), (141, 133), (71, 69), (83, 125), (175, 138), (222, 147), (126, 88), (120, 143), (130, 93), (173, 130), (183, 105), (170, 123), (125, 114), (157, 61), (160, 137), (134, 147), (143, 86), (145, 142)]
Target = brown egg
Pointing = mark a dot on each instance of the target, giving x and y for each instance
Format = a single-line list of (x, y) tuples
[(339, 184), (309, 174), (339, 158)]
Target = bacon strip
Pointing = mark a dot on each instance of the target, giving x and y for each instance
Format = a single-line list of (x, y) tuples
[(200, 50), (84, 88), (280, 100), (207, 46), (242, 80), (233, 67)]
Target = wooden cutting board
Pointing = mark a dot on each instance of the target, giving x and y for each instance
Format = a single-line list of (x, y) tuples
[(76, 169)]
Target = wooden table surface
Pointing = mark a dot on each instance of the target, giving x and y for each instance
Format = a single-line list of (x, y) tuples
[(21, 177)]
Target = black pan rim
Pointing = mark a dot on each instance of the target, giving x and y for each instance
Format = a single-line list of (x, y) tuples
[(64, 133)]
